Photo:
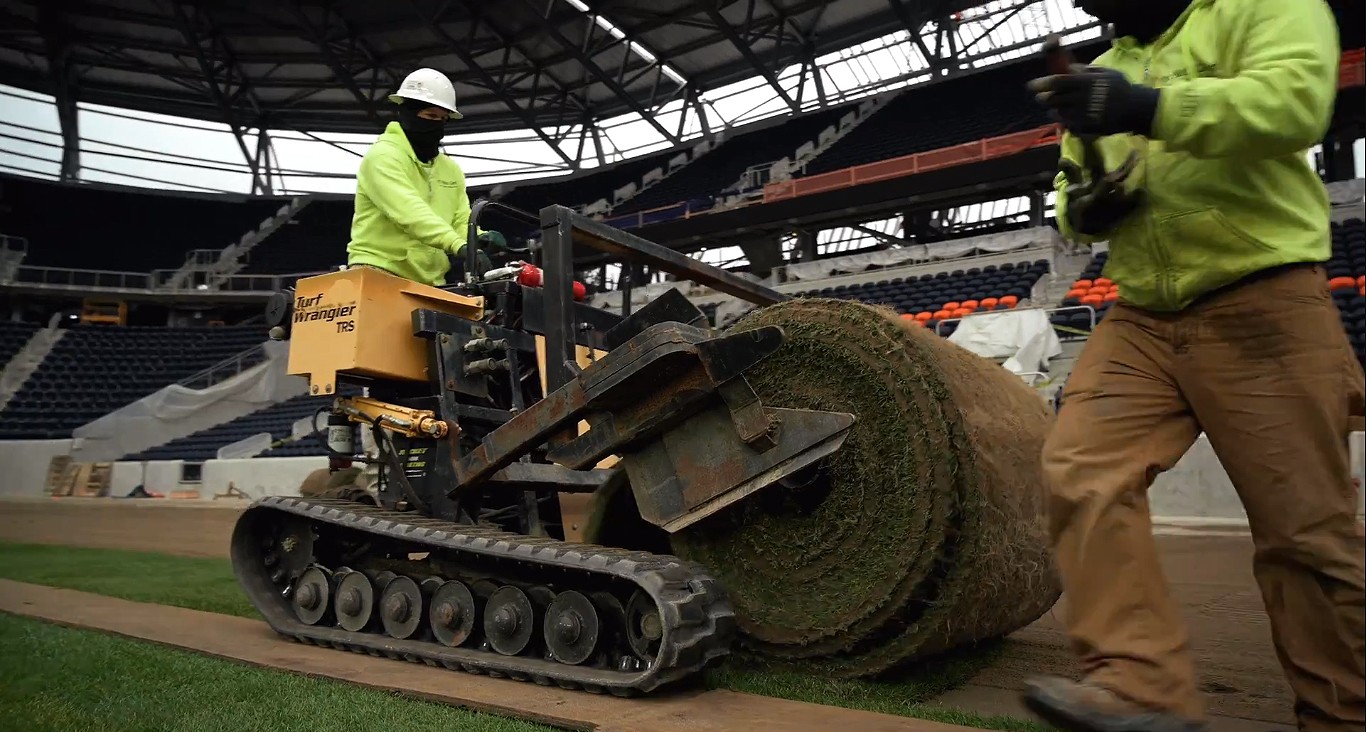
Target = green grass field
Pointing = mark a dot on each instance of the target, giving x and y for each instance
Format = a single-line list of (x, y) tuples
[(56, 679), (208, 584)]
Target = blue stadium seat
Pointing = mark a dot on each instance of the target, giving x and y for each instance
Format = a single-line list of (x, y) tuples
[(939, 116), (96, 369)]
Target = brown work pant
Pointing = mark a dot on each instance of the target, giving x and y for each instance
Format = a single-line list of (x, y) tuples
[(1265, 370)]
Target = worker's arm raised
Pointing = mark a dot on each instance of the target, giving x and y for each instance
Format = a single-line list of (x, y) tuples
[(1070, 152), (1280, 101), (386, 183)]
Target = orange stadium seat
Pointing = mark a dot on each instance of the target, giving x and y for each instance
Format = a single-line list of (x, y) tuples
[(1342, 283), (923, 316), (1009, 301), (989, 303)]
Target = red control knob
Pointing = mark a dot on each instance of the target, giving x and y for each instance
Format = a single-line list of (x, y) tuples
[(530, 276)]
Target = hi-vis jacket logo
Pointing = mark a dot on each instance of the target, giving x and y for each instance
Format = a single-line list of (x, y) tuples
[(309, 309)]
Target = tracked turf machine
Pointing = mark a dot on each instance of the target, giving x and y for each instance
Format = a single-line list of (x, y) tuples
[(543, 461)]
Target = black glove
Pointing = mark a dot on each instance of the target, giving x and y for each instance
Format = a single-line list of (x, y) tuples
[(482, 263), (1096, 207), (1097, 101)]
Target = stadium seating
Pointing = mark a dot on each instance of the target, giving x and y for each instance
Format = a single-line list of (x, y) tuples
[(314, 241), (94, 370), (90, 227), (1091, 290), (939, 116), (585, 189), (947, 296), (1347, 281), (277, 419), (13, 336), (723, 166)]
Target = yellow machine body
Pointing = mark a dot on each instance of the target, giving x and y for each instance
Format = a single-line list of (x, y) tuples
[(359, 322)]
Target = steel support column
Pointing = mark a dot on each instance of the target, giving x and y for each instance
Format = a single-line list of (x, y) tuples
[(62, 73), (220, 98)]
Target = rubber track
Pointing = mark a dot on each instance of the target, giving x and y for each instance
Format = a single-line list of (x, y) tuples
[(699, 624)]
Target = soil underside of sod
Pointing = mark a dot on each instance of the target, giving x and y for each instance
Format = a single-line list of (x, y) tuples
[(208, 584), (924, 533)]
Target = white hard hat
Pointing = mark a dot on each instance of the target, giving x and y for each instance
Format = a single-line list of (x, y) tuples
[(430, 86)]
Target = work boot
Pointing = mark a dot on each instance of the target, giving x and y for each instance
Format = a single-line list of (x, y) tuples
[(1081, 707)]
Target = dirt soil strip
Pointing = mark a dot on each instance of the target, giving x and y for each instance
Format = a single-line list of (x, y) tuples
[(251, 641), (1211, 579), (183, 528)]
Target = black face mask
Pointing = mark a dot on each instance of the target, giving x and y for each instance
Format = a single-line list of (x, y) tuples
[(423, 134), (1144, 20)]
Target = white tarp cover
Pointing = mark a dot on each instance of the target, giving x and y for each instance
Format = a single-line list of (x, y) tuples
[(1346, 192), (1024, 338), (176, 411), (246, 447), (990, 243)]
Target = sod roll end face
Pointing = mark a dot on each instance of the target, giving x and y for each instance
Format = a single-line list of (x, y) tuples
[(925, 532)]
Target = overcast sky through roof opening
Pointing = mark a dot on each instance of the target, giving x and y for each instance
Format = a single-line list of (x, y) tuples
[(170, 152)]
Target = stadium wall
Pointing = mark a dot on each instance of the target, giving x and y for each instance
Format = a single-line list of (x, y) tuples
[(259, 477), (1198, 488), (25, 463)]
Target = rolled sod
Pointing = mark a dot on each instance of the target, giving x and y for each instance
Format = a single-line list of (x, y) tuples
[(926, 531)]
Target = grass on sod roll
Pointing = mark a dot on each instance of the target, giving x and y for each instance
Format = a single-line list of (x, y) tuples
[(209, 585), (55, 679)]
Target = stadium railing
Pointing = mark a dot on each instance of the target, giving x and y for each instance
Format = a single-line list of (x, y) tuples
[(914, 164), (157, 281), (939, 325), (225, 369)]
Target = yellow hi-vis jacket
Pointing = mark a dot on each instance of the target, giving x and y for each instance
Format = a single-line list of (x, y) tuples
[(1247, 88), (410, 217)]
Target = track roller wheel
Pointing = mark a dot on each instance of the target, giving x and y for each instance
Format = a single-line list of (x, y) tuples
[(644, 628), (571, 628), (453, 613), (509, 621), (355, 600), (312, 596), (401, 607)]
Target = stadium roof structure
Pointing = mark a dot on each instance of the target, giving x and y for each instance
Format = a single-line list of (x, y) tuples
[(328, 65)]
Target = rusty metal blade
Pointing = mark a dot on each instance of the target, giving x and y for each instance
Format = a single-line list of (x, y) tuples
[(703, 466)]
